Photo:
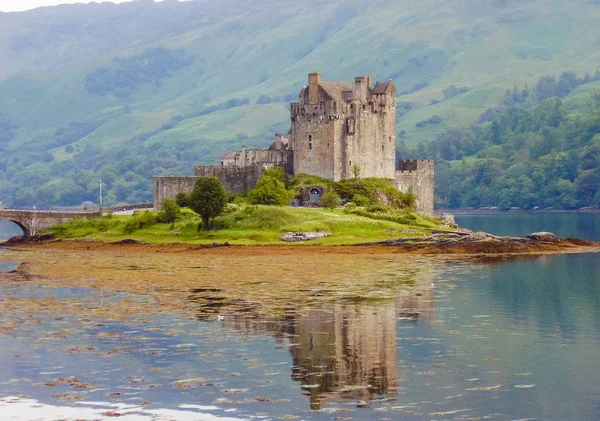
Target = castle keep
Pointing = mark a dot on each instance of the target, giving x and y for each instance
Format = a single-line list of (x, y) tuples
[(336, 127)]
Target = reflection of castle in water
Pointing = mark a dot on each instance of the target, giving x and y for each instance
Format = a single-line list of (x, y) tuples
[(347, 350)]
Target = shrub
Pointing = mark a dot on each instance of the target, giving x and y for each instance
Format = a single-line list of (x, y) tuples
[(231, 208), (361, 200), (349, 207), (269, 191), (279, 174), (377, 208), (182, 199), (170, 211), (208, 199), (330, 199), (140, 220)]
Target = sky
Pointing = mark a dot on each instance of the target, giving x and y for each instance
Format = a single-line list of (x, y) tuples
[(20, 5)]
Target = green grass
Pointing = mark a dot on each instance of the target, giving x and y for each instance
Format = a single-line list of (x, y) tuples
[(254, 225)]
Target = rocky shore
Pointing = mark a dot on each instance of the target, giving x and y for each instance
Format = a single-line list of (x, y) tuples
[(468, 242)]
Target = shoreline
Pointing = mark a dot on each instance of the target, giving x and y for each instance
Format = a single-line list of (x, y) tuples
[(505, 246)]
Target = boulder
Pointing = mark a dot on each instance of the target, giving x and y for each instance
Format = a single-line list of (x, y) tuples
[(293, 237), (543, 236)]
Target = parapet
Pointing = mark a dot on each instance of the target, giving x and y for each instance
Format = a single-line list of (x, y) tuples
[(415, 165)]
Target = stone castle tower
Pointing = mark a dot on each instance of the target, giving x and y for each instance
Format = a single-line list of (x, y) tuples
[(337, 125)]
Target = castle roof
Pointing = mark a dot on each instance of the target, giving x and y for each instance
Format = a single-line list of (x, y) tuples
[(380, 88), (278, 145), (229, 155), (336, 89)]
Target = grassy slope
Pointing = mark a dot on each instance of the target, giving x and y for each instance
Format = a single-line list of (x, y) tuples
[(244, 50), (263, 226)]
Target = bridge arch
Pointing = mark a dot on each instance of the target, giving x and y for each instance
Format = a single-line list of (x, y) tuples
[(26, 232)]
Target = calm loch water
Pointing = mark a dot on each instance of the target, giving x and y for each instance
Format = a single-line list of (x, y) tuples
[(510, 340)]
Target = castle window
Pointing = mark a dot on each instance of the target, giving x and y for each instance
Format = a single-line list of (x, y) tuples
[(350, 163), (390, 139), (382, 148), (222, 163), (310, 146)]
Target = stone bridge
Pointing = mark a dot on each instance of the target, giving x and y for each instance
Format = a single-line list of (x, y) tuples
[(34, 221)]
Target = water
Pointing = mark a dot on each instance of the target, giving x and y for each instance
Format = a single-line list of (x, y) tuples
[(564, 224), (504, 340), (9, 229)]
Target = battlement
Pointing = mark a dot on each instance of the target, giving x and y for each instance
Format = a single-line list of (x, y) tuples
[(415, 165)]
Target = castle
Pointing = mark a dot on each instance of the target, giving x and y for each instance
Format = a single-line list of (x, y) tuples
[(336, 127)]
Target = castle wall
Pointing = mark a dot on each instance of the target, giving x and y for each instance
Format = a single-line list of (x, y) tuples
[(238, 180), (258, 156), (418, 174), (165, 187), (373, 145), (315, 142)]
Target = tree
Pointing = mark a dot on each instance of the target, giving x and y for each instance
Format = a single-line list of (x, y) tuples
[(182, 199), (208, 199), (269, 191), (356, 170), (170, 211), (330, 199)]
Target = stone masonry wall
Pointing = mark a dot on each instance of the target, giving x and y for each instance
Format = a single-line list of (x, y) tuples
[(234, 179), (329, 137), (418, 174), (166, 187)]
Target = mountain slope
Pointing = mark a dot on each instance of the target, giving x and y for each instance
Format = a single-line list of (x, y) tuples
[(128, 91)]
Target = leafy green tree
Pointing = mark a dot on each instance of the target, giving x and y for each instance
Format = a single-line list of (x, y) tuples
[(208, 199), (269, 191), (356, 171), (170, 211), (330, 199)]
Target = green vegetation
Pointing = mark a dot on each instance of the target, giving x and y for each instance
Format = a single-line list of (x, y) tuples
[(253, 225), (208, 199), (125, 92), (539, 149), (270, 190), (330, 199)]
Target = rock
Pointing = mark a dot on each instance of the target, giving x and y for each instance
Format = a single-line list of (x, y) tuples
[(477, 236), (293, 237), (448, 220), (130, 241), (543, 236)]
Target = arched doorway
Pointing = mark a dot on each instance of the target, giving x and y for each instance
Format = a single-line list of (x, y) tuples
[(9, 229), (315, 195)]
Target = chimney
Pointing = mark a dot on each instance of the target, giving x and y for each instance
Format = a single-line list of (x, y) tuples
[(360, 88), (314, 79), (243, 146), (369, 82)]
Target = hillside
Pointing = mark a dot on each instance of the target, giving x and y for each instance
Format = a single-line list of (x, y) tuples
[(125, 92)]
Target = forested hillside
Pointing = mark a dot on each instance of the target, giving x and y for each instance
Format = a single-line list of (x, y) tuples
[(536, 150), (125, 92)]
